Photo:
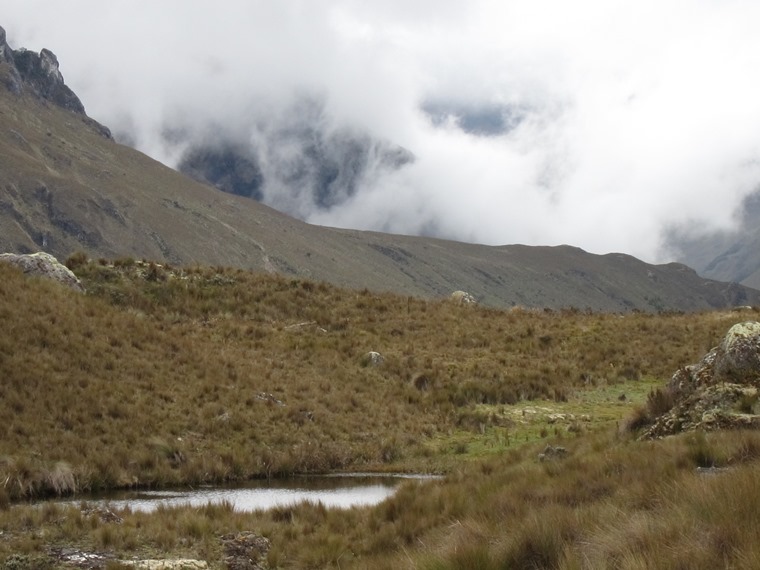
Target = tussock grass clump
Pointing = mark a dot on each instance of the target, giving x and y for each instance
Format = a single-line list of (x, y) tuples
[(658, 402)]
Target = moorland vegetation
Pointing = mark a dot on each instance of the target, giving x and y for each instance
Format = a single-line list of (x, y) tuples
[(162, 376)]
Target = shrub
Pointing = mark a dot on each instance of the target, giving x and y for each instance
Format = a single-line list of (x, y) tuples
[(659, 402), (76, 260)]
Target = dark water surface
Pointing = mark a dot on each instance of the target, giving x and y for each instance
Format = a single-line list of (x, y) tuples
[(335, 491)]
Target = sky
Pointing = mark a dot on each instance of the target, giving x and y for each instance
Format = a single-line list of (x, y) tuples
[(612, 122)]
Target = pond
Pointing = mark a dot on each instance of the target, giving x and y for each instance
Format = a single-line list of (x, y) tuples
[(334, 491)]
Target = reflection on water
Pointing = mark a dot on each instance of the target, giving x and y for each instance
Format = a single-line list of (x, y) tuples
[(331, 491)]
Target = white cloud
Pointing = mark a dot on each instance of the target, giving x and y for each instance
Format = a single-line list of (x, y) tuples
[(636, 116)]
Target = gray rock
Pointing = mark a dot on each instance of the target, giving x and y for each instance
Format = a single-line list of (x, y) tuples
[(716, 393), (552, 453), (373, 358), (463, 298), (40, 73), (44, 265), (739, 353)]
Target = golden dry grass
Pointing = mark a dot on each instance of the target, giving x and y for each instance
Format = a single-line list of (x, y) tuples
[(160, 376)]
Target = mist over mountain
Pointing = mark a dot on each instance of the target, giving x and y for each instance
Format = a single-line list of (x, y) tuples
[(485, 119), (599, 124), (295, 161), (732, 256)]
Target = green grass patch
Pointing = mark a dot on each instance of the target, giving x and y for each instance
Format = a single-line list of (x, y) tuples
[(494, 429)]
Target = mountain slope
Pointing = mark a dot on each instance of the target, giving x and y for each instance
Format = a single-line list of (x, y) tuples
[(66, 186), (727, 256)]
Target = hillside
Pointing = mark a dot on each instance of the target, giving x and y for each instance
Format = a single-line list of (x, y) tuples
[(150, 355), (66, 186), (160, 376)]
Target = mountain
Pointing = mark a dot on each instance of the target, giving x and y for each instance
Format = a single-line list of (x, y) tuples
[(67, 186), (726, 256), (293, 161)]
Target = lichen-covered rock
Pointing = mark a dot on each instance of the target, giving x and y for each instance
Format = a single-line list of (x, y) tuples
[(43, 265), (739, 353), (463, 298), (719, 391)]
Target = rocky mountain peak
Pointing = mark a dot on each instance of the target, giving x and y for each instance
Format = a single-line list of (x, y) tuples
[(40, 75), (36, 73), (23, 71)]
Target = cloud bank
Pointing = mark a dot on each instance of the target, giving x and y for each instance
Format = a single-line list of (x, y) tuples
[(601, 124)]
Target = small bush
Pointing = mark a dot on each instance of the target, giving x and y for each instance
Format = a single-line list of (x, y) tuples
[(659, 402), (748, 403), (76, 260)]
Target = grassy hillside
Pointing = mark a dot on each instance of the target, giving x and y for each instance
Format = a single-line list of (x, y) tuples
[(163, 375), (159, 376)]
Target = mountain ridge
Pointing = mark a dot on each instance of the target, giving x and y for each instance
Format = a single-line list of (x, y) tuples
[(67, 186)]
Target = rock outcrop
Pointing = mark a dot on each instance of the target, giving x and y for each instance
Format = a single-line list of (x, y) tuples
[(721, 391), (44, 265), (40, 74), (37, 73), (24, 71)]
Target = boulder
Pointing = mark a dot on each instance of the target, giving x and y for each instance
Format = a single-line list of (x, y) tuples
[(738, 356), (372, 358), (720, 391), (44, 265), (463, 298)]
